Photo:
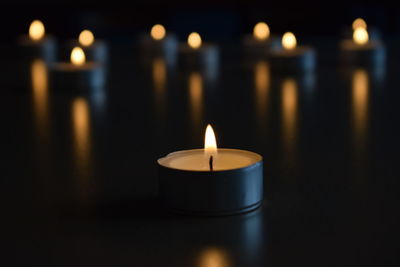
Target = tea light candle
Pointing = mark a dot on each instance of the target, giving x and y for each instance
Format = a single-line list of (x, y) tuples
[(292, 58), (95, 50), (196, 55), (159, 43), (260, 43), (361, 50), (78, 73), (373, 32), (211, 181), (38, 45)]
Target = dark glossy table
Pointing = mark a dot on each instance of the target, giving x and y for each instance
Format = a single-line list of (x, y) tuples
[(79, 175)]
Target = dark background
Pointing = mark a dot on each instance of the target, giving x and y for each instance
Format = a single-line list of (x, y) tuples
[(217, 20)]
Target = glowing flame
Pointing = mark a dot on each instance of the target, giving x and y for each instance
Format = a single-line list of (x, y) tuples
[(158, 32), (289, 41), (261, 31), (210, 144), (360, 36), (78, 56), (359, 23), (36, 30), (86, 38), (194, 40)]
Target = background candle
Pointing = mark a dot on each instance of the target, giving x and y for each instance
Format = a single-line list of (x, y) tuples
[(77, 74), (260, 43), (374, 32), (361, 50), (95, 50), (292, 58), (211, 181), (198, 56), (37, 45), (158, 44)]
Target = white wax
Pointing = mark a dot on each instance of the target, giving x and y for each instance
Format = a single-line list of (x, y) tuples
[(198, 160)]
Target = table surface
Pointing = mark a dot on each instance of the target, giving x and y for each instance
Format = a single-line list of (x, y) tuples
[(79, 180)]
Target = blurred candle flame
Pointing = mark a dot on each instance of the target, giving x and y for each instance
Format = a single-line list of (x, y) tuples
[(86, 38), (78, 57), (36, 30), (194, 40), (158, 32), (261, 31), (359, 23), (360, 36), (289, 41)]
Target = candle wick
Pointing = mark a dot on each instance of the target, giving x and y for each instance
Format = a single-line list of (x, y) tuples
[(211, 163)]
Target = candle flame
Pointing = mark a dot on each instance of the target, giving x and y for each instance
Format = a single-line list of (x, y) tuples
[(78, 56), (261, 31), (360, 36), (289, 41), (359, 23), (86, 38), (210, 144), (36, 30), (158, 32), (194, 40)]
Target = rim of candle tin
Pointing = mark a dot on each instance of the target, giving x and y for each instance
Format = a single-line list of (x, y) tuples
[(259, 160)]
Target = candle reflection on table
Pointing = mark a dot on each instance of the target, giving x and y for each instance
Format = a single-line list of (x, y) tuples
[(214, 257), (39, 78), (82, 146), (196, 101), (360, 97), (289, 119), (262, 85), (159, 72)]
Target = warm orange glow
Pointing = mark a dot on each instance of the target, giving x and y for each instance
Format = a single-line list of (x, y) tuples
[(261, 31), (158, 32), (81, 128), (289, 41), (86, 38), (40, 93), (159, 74), (78, 57), (360, 36), (194, 40), (210, 143), (36, 30), (360, 100), (262, 83), (359, 23), (289, 111), (196, 98), (214, 257)]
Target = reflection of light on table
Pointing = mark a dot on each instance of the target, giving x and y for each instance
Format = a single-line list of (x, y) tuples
[(360, 102), (40, 94), (289, 110), (196, 98), (159, 75), (262, 83), (81, 128), (214, 257), (81, 131)]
